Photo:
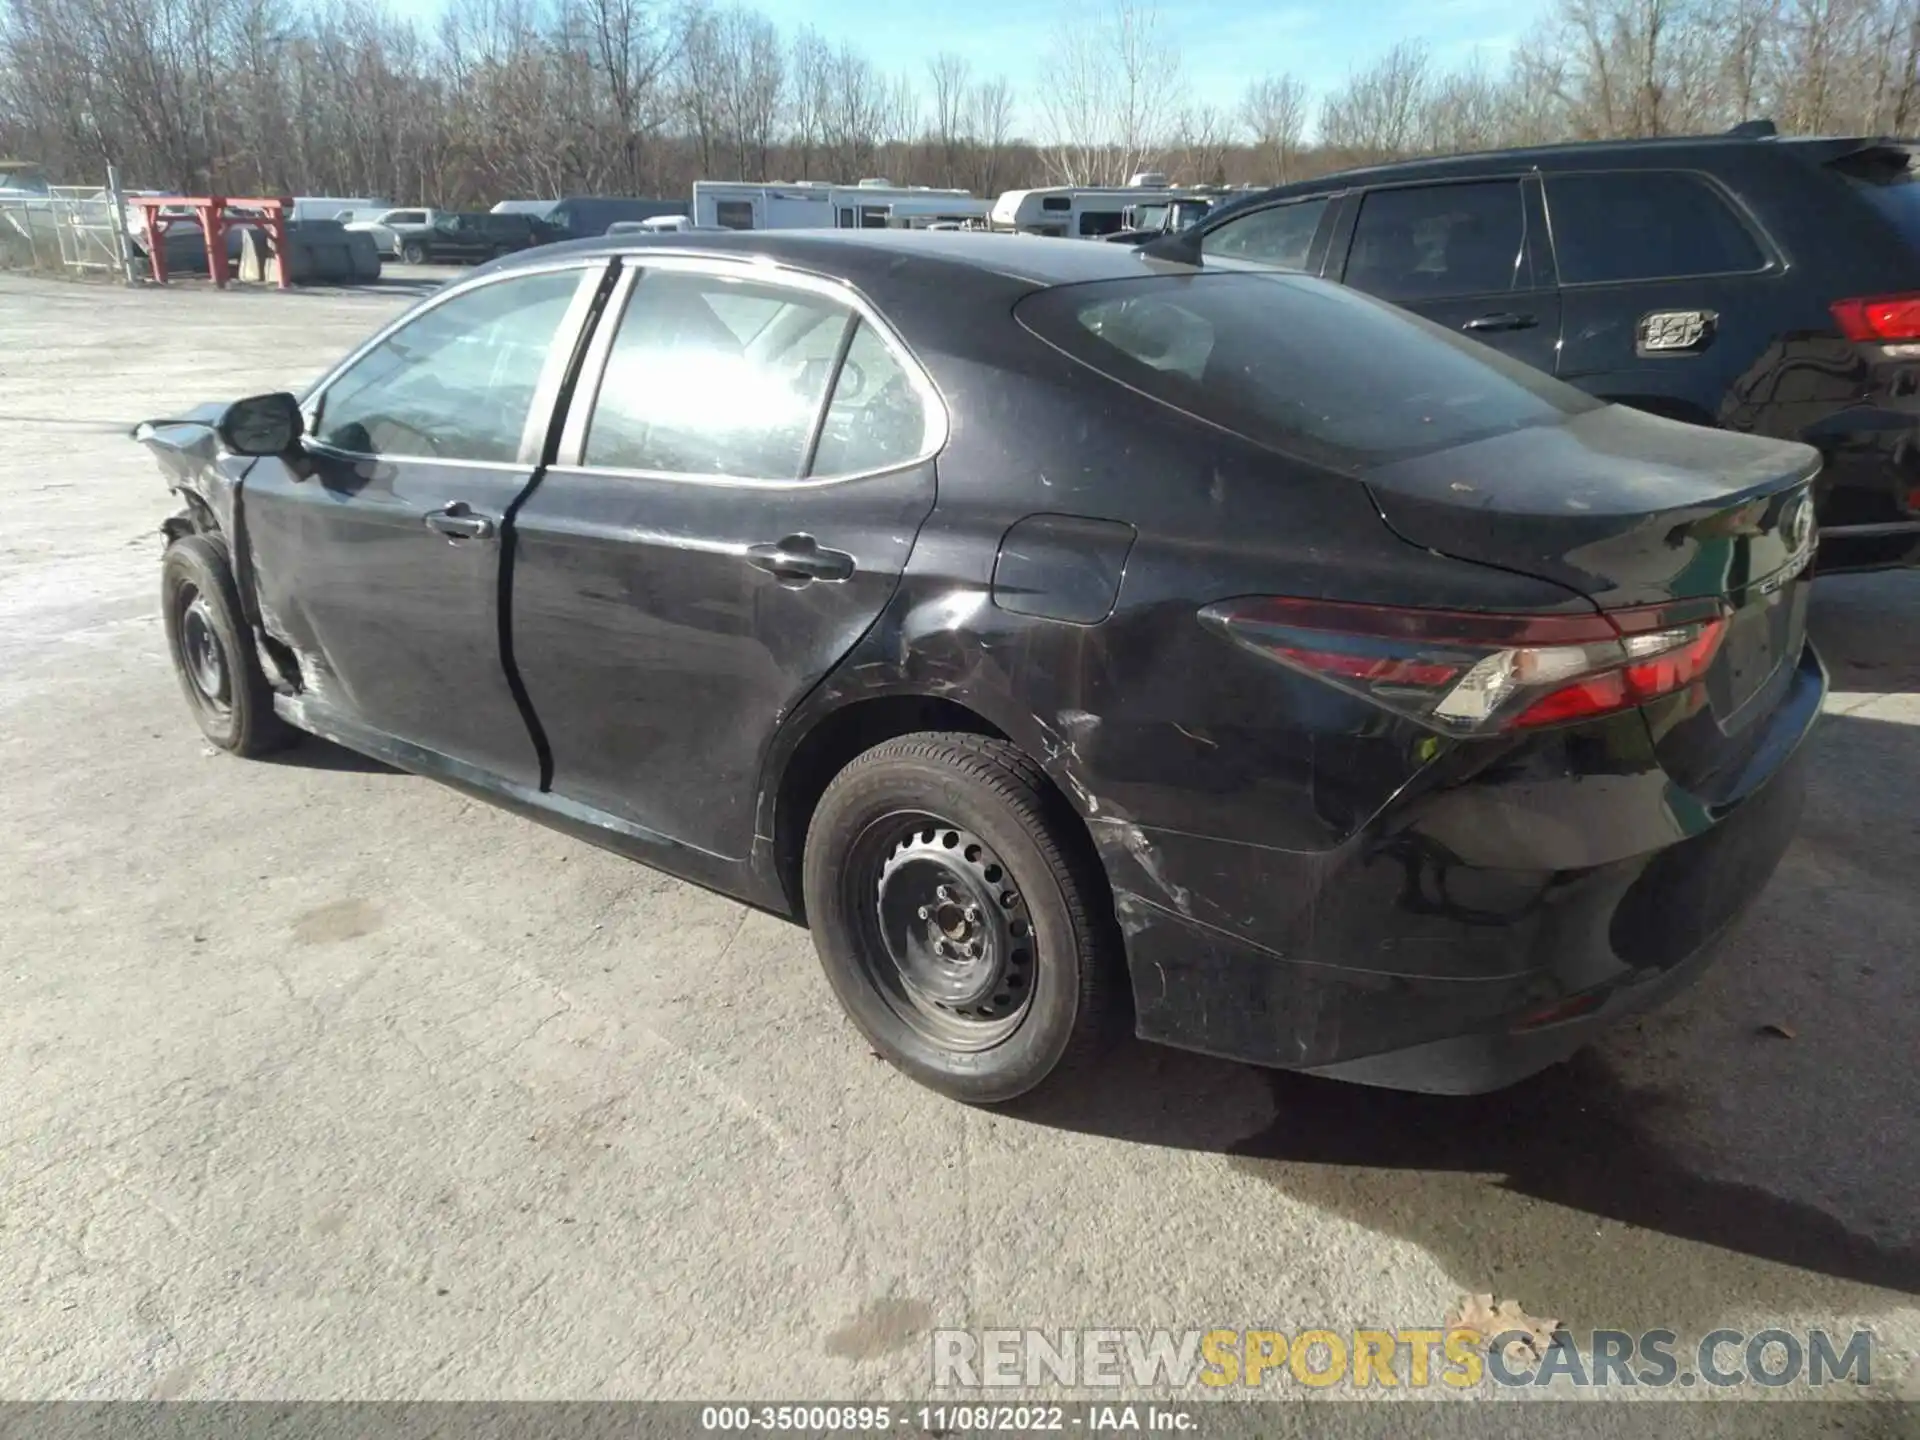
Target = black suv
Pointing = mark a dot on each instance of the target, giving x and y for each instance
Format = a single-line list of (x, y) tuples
[(1743, 280), (460, 236)]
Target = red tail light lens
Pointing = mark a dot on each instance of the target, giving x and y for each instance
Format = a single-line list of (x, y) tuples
[(1470, 673), (1879, 318)]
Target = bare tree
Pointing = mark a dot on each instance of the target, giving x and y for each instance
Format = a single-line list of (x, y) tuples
[(749, 79), (1274, 113), (1377, 113), (951, 78), (496, 98), (989, 126), (1112, 76), (1197, 149)]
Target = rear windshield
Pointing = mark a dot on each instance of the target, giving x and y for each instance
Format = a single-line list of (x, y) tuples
[(1299, 364)]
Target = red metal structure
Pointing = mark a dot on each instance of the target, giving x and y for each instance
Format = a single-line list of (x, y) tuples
[(211, 212)]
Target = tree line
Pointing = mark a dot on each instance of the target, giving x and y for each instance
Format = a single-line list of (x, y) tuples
[(498, 98)]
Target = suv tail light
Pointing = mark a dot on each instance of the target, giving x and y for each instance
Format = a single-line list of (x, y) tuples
[(1879, 318), (1468, 673)]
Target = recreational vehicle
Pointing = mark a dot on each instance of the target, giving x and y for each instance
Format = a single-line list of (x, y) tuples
[(1077, 212), (809, 205)]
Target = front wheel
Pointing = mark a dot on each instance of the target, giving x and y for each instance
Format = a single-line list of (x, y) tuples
[(414, 253), (960, 916), (212, 652)]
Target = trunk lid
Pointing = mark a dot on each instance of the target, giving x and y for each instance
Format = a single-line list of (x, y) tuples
[(1630, 510)]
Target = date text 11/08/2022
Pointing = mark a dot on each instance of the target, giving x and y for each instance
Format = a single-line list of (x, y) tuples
[(950, 1419)]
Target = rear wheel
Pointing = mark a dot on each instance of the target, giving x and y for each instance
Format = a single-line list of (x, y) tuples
[(212, 652), (959, 916)]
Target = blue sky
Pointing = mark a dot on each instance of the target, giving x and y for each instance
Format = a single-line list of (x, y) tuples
[(1223, 43)]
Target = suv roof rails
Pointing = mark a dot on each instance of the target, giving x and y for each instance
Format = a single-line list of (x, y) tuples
[(1762, 129)]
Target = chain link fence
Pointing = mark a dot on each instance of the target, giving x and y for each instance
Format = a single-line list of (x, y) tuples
[(75, 229)]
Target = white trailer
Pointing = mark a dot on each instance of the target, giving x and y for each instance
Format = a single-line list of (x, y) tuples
[(1076, 211), (807, 205)]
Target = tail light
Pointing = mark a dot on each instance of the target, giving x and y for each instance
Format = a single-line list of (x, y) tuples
[(1467, 673), (1879, 318)]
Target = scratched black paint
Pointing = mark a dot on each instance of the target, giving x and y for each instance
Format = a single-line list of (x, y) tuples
[(1302, 878)]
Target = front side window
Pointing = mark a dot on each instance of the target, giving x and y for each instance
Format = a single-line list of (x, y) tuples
[(1434, 242), (1309, 368), (1644, 225), (1101, 222), (713, 376), (1279, 235), (456, 383), (406, 217)]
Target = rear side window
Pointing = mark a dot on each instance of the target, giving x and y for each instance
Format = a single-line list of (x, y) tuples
[(1279, 235), (1056, 202), (875, 419), (1645, 225), (1304, 366), (1433, 242)]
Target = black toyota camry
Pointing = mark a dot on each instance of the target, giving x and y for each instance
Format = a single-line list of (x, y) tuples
[(1060, 634)]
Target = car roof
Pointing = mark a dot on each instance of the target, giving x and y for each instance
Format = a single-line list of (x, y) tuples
[(871, 258), (1572, 155)]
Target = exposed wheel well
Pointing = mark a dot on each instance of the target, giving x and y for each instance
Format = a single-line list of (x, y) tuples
[(828, 747)]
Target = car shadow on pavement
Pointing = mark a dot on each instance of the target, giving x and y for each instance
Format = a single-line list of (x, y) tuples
[(313, 753), (1863, 627), (1765, 1115)]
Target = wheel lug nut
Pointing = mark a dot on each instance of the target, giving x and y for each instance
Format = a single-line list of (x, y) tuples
[(973, 914), (926, 912)]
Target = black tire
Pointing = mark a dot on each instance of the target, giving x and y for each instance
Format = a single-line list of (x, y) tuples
[(413, 253), (961, 821), (213, 652)]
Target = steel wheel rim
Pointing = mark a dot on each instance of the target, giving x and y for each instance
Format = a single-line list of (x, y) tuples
[(945, 936), (202, 655)]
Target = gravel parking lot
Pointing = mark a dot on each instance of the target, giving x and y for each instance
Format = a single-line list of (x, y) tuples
[(324, 1081)]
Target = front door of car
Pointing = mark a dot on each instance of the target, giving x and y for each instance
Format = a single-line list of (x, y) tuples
[(746, 462), (1464, 255), (377, 550)]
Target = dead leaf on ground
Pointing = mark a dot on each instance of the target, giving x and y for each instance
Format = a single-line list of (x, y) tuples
[(1785, 1032), (1479, 1314)]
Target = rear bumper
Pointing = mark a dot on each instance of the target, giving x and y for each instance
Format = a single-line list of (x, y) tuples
[(1396, 962)]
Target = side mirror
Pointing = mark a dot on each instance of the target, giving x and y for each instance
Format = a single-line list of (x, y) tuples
[(261, 425)]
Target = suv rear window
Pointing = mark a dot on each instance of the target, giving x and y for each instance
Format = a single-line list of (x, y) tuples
[(1302, 365), (1645, 225)]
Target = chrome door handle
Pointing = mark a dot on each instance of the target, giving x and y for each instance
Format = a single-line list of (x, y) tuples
[(1501, 322), (457, 521), (800, 558)]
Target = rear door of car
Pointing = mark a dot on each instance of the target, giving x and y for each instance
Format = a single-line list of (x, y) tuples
[(1467, 254), (1669, 290), (746, 461)]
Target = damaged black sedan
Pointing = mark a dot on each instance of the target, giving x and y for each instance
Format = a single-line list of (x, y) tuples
[(1058, 633)]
